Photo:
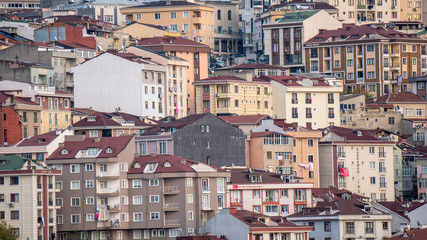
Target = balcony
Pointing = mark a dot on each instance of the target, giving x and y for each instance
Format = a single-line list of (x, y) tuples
[(308, 101), (308, 115), (171, 207), (381, 154), (383, 185), (50, 186), (115, 208), (395, 66), (172, 223), (361, 6), (108, 175), (171, 190), (271, 199), (331, 115), (294, 115), (331, 101), (342, 185), (386, 64), (341, 154), (382, 170), (294, 101), (108, 191), (360, 80)]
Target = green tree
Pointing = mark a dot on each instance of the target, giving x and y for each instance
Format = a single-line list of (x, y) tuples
[(7, 232)]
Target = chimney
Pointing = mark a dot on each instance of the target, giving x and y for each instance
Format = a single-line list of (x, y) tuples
[(153, 154), (182, 161), (29, 164), (97, 139), (248, 77), (58, 132), (233, 210)]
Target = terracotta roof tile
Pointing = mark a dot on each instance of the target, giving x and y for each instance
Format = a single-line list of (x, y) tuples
[(169, 41), (413, 234), (39, 140), (177, 124), (244, 119), (257, 66), (241, 176), (252, 219), (352, 134), (401, 207), (399, 98), (101, 119)]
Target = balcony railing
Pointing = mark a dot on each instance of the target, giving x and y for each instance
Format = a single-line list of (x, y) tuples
[(330, 100), (172, 222), (308, 115), (171, 190), (271, 199), (294, 115), (386, 64), (331, 115), (294, 101), (382, 169), (341, 154), (383, 185), (299, 198), (308, 100), (171, 206), (381, 154), (342, 185)]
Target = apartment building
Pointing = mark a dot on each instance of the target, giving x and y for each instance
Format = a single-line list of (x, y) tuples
[(141, 91), (175, 90), (368, 11), (37, 147), (421, 171), (343, 215), (243, 224), (171, 196), (376, 60), (228, 95), (194, 21), (267, 193), (27, 199), (284, 39), (109, 125), (411, 10), (202, 137), (312, 101), (286, 149), (245, 122), (19, 5), (418, 84), (194, 52), (92, 186), (357, 161)]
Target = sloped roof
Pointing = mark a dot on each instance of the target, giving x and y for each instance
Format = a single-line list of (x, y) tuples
[(130, 117), (402, 207), (39, 140), (244, 119), (252, 219), (166, 40), (256, 66), (117, 144), (296, 16), (296, 81), (231, 78), (101, 119), (413, 234), (351, 134), (165, 4), (12, 162), (241, 176), (177, 124), (177, 164), (400, 98)]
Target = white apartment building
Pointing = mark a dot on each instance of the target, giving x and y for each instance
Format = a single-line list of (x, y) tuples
[(121, 81), (355, 160)]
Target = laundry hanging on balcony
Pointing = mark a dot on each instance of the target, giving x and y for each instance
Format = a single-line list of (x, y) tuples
[(308, 166), (344, 172)]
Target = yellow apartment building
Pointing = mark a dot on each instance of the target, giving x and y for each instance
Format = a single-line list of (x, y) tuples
[(56, 112), (193, 21), (227, 95)]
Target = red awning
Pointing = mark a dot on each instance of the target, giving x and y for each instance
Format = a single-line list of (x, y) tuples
[(344, 172)]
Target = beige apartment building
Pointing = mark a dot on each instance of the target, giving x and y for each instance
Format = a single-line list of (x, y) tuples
[(193, 21), (368, 11), (175, 90), (411, 10), (371, 59), (355, 160), (310, 101), (27, 198)]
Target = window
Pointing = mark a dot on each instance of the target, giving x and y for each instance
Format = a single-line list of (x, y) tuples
[(189, 198), (185, 14), (327, 226), (373, 180), (173, 15), (154, 216), (189, 182), (420, 112), (14, 215), (14, 180), (162, 147), (385, 225), (205, 185), (90, 217), (90, 201), (75, 218), (409, 112), (89, 183), (75, 202), (89, 167), (157, 16), (137, 183), (74, 168), (154, 198), (369, 227), (137, 217), (391, 120), (218, 14), (74, 185), (220, 185), (221, 203), (349, 227), (14, 197), (153, 182)]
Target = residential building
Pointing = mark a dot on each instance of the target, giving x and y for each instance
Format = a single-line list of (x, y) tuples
[(408, 27), (195, 53), (418, 84), (177, 195), (284, 39), (140, 93), (376, 60), (109, 125), (200, 237), (101, 10), (233, 95), (367, 12), (267, 193), (355, 160), (56, 104), (202, 137), (312, 101), (227, 28), (60, 59), (37, 147), (245, 122), (257, 70), (28, 197), (411, 10), (424, 17), (20, 118), (356, 113), (194, 21), (92, 186), (18, 5), (24, 71), (415, 234), (343, 215), (18, 29), (175, 90), (286, 149), (243, 224), (405, 215), (138, 30), (421, 171), (78, 114)]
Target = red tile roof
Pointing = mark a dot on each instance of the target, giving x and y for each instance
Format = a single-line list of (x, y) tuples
[(241, 176), (352, 134), (177, 124), (169, 41), (173, 3), (296, 80), (413, 234), (379, 105), (40, 140), (222, 78), (244, 119), (129, 117), (256, 66), (399, 98), (253, 219), (352, 32), (101, 119), (177, 164), (402, 207), (117, 144)]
